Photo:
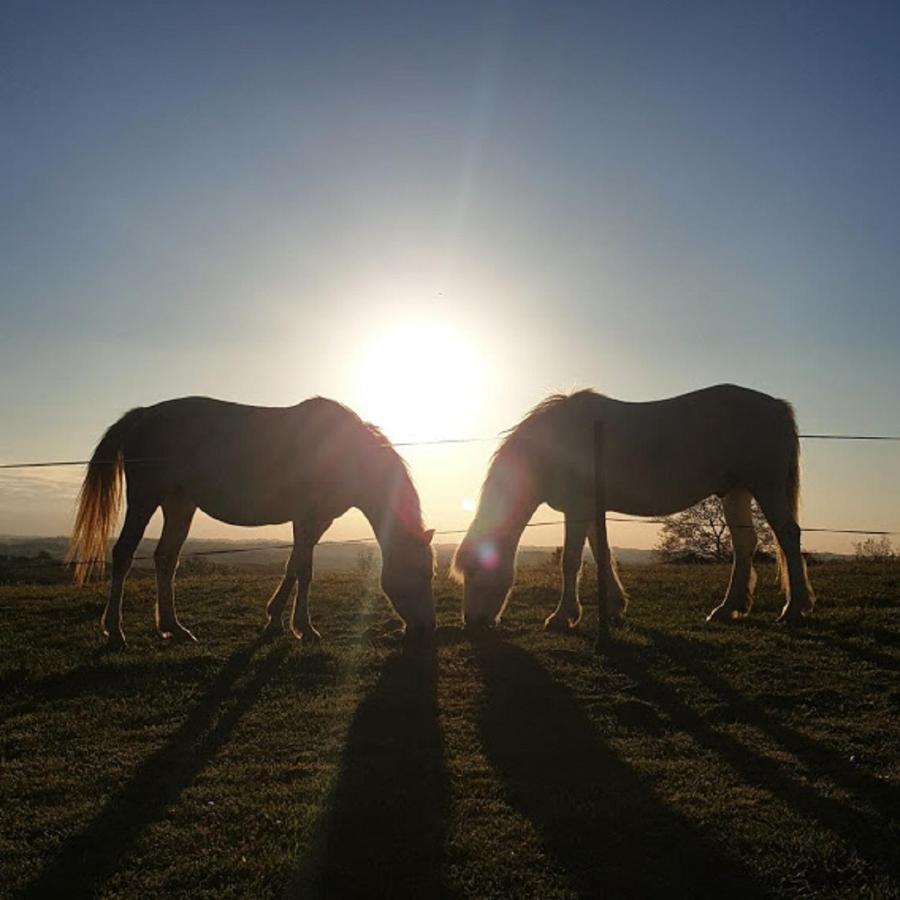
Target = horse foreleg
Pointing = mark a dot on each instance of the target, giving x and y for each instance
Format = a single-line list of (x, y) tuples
[(568, 614), (178, 512), (305, 539), (136, 519), (739, 598), (300, 621), (278, 601), (616, 598)]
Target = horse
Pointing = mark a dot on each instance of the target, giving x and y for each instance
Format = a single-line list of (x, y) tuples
[(657, 458), (249, 465)]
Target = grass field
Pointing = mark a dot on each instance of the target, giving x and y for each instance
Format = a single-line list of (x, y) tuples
[(683, 759)]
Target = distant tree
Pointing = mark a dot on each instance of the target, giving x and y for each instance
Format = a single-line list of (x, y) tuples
[(879, 549), (701, 533)]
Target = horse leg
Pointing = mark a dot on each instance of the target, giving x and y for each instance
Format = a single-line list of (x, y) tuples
[(568, 613), (278, 601), (616, 598), (136, 518), (799, 597), (736, 505), (178, 511), (305, 539)]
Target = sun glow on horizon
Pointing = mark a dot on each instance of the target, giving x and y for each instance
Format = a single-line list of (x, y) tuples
[(423, 380)]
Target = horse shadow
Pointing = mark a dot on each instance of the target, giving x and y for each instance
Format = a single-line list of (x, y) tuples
[(599, 820), (883, 640), (385, 831), (864, 825), (102, 677), (89, 857)]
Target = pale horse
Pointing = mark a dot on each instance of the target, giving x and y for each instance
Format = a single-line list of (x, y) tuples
[(247, 465), (658, 458)]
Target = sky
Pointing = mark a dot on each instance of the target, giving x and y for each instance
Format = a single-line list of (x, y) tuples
[(438, 213)]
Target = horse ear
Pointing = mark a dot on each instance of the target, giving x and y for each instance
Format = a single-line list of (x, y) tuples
[(429, 534)]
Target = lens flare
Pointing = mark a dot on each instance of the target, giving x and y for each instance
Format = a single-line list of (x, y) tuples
[(488, 556)]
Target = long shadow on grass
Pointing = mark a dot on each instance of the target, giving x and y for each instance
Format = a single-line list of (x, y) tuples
[(823, 633), (599, 821), (86, 682), (865, 831), (89, 857), (385, 832)]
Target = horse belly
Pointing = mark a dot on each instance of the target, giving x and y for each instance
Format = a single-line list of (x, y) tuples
[(246, 513), (659, 487), (246, 501)]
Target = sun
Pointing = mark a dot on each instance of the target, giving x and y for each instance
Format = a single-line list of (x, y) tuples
[(422, 380)]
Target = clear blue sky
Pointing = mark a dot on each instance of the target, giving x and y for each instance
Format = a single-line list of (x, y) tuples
[(238, 199)]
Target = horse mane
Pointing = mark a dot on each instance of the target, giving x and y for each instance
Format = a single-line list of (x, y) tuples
[(409, 506), (372, 438), (507, 464), (518, 435)]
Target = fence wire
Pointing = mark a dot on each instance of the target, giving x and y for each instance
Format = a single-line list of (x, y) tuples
[(147, 460), (265, 548), (438, 533)]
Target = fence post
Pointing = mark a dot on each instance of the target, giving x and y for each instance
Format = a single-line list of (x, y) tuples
[(602, 542)]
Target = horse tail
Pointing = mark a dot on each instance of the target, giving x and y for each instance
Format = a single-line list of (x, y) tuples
[(99, 501), (792, 487)]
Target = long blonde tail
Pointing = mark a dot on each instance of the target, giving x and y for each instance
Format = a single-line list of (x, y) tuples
[(793, 498), (99, 501)]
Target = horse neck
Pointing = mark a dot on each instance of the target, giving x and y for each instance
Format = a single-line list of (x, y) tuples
[(508, 501), (388, 500)]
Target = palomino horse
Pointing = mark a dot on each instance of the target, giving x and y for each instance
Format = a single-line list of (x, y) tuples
[(658, 458), (249, 465)]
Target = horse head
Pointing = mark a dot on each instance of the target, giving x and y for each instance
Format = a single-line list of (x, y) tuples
[(486, 568), (406, 573)]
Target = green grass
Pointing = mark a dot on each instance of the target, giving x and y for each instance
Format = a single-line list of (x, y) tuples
[(683, 759)]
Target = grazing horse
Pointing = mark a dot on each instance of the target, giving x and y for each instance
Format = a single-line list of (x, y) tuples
[(657, 458), (248, 465)]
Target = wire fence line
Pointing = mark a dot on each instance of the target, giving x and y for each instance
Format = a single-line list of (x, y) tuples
[(227, 551), (149, 460), (443, 532)]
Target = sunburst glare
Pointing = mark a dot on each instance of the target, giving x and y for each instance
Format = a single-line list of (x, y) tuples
[(422, 380)]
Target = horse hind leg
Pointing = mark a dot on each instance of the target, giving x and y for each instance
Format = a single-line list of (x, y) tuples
[(136, 518), (178, 511), (799, 598), (738, 511)]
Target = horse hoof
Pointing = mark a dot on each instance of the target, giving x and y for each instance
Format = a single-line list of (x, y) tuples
[(308, 635), (178, 635), (115, 640), (722, 614), (559, 624), (792, 620)]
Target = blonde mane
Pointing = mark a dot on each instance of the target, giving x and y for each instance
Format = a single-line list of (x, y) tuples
[(407, 503), (518, 436)]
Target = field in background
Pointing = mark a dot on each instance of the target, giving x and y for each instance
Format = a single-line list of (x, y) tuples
[(683, 759)]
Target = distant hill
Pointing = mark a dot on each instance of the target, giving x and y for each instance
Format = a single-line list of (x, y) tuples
[(329, 557), (272, 554)]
